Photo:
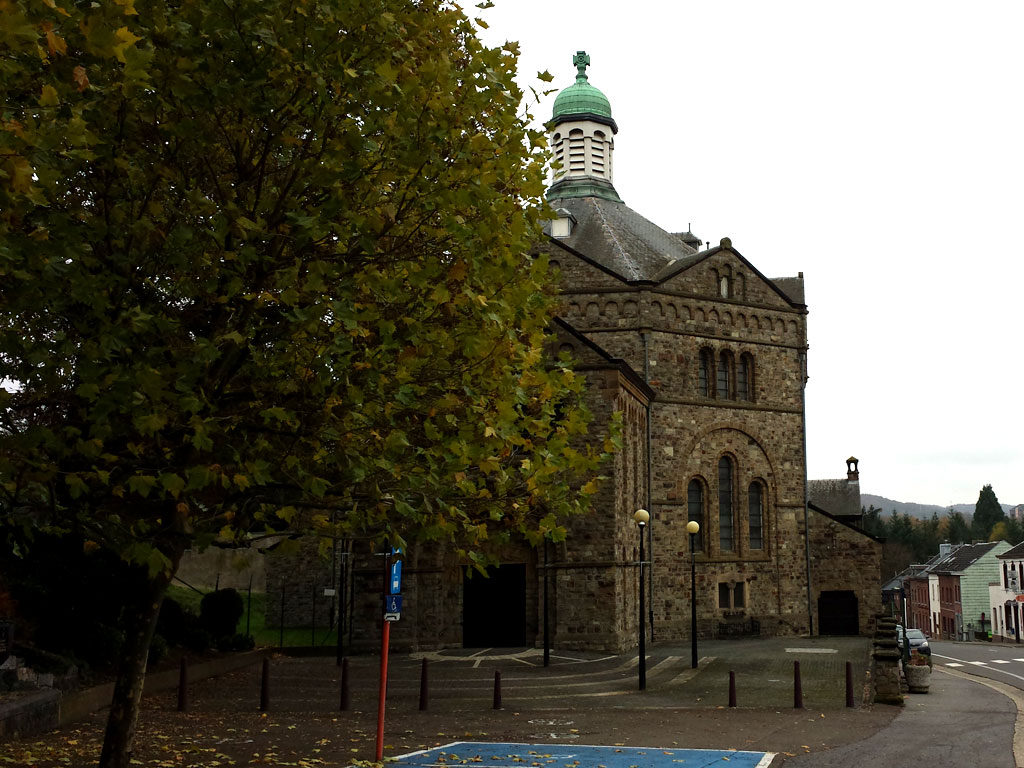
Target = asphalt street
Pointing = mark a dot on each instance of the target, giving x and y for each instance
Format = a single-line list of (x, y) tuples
[(1003, 662), (960, 721)]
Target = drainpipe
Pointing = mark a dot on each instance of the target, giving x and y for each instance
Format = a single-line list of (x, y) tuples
[(650, 528), (807, 522)]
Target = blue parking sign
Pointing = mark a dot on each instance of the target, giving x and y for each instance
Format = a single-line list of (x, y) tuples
[(392, 607), (395, 582)]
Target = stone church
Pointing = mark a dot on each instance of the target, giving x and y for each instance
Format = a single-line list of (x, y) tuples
[(705, 358)]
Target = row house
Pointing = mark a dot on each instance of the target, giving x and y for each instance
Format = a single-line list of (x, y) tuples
[(1006, 601), (949, 596), (962, 581)]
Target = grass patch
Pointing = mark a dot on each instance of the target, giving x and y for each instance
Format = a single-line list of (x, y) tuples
[(254, 621)]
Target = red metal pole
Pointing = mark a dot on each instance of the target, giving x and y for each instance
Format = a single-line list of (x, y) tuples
[(385, 638)]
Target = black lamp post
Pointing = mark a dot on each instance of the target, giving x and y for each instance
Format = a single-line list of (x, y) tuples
[(693, 528), (641, 517)]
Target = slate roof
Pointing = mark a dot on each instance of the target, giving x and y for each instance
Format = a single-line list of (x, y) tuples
[(560, 327), (839, 497), (793, 287), (962, 558), (1013, 553), (620, 239), (844, 521), (918, 570)]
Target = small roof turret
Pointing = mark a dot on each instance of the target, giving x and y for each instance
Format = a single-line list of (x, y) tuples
[(581, 100)]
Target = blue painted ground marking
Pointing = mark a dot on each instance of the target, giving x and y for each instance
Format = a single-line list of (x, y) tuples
[(480, 754)]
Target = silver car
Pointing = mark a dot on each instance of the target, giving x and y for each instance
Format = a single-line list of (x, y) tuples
[(917, 640)]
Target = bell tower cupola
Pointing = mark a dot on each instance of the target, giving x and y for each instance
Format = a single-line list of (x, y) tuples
[(582, 139)]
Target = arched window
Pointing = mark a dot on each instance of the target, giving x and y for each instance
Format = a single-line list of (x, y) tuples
[(725, 510), (724, 378), (755, 516), (745, 378), (723, 286), (695, 509), (704, 383)]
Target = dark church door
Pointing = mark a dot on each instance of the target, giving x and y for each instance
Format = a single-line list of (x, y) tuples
[(494, 609), (837, 613)]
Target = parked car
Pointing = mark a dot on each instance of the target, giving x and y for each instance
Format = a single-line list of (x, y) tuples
[(917, 640)]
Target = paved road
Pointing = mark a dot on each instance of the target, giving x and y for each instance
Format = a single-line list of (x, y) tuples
[(1003, 662), (959, 722)]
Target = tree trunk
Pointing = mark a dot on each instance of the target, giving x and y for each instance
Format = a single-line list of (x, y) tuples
[(140, 622)]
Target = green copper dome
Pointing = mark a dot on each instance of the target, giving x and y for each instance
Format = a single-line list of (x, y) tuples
[(581, 100)]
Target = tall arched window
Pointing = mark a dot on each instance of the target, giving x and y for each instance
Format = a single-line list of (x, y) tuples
[(724, 379), (745, 378), (695, 509), (725, 510), (706, 363), (755, 515)]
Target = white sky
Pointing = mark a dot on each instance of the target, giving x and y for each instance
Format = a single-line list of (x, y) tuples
[(877, 147)]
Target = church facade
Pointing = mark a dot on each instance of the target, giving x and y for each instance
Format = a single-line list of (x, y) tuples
[(705, 358)]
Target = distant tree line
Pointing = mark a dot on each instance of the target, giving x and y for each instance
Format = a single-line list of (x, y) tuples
[(912, 540)]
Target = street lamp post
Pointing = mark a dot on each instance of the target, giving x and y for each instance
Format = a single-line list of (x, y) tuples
[(693, 528), (641, 517)]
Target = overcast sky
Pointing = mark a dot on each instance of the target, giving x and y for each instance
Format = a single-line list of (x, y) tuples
[(877, 147)]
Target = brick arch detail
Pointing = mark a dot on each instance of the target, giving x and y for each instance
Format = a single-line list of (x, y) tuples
[(724, 426)]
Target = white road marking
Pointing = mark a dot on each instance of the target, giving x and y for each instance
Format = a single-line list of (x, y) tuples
[(953, 660)]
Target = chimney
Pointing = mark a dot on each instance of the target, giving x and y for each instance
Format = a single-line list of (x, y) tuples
[(852, 474)]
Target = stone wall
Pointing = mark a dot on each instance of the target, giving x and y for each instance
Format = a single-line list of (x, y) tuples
[(846, 559), (743, 585), (663, 330), (297, 575)]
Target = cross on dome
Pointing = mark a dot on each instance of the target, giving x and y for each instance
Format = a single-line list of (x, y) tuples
[(581, 61)]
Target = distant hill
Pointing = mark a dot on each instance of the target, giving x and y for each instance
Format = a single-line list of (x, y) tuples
[(922, 511)]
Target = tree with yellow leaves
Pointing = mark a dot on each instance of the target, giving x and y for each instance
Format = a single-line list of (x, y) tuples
[(262, 268)]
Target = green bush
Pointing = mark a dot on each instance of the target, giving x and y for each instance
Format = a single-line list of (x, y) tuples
[(220, 611), (173, 621), (196, 639)]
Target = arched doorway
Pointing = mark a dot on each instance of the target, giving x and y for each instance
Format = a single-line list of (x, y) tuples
[(837, 613)]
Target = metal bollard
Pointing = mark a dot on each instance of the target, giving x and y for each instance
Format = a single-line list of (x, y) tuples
[(265, 687), (346, 695), (849, 685), (732, 689), (798, 689), (423, 686), (497, 690), (183, 686)]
